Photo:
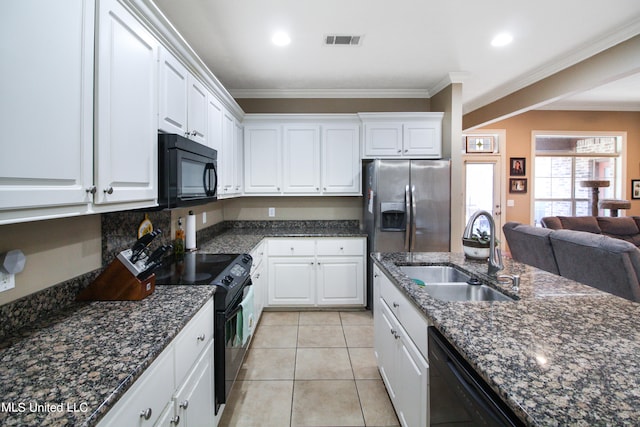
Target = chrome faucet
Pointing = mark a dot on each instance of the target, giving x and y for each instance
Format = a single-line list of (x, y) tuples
[(495, 256)]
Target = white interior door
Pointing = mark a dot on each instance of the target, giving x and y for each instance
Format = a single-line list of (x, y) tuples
[(483, 190)]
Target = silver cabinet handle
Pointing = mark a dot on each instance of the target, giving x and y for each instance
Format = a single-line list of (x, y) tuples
[(184, 404), (194, 133), (145, 413), (92, 189), (200, 337), (396, 305), (187, 133), (399, 151), (108, 190), (175, 420)]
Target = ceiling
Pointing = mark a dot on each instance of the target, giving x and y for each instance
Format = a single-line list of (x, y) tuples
[(409, 48)]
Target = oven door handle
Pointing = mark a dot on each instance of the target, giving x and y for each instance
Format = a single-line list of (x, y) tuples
[(233, 312)]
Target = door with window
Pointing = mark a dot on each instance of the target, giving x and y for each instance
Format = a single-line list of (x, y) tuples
[(483, 177)]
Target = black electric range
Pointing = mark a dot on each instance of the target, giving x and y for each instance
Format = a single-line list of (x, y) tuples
[(228, 272)]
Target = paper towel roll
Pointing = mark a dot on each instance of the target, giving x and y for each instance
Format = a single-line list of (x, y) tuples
[(190, 238)]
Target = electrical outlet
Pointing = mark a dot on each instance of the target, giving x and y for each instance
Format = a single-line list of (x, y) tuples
[(7, 281), (272, 212), (204, 217)]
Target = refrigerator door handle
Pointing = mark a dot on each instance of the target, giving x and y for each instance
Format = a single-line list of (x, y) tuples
[(413, 217), (409, 219)]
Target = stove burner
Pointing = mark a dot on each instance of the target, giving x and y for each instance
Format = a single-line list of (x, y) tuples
[(196, 277), (217, 258)]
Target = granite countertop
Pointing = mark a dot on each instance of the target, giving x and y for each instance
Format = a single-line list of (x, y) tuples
[(243, 240), (562, 353), (70, 368)]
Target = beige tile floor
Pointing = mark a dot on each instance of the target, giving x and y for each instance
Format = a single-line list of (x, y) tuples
[(310, 369)]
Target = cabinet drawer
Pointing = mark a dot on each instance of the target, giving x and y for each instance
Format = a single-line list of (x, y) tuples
[(336, 247), (148, 395), (292, 247), (193, 339), (407, 313)]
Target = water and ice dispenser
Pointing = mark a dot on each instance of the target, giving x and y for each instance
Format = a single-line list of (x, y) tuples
[(394, 216)]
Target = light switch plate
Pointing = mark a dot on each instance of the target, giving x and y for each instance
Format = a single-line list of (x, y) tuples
[(204, 217), (7, 281), (272, 212), (511, 203)]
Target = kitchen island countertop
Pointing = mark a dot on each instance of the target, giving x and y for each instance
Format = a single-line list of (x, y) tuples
[(562, 353)]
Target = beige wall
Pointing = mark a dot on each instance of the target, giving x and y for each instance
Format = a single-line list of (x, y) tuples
[(332, 105), (290, 208), (519, 132), (55, 250)]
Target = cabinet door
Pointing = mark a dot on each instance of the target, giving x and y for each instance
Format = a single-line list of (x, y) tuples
[(126, 91), (238, 166), (412, 372), (341, 166), (46, 108), (197, 112), (386, 347), (262, 166), (227, 161), (301, 148), (423, 139), (341, 280), (292, 281), (383, 139), (194, 400), (172, 106)]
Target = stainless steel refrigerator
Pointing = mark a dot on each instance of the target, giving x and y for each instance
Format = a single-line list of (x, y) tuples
[(407, 207)]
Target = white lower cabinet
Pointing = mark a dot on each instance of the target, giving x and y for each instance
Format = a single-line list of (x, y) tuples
[(316, 271), (403, 366), (178, 387), (259, 280)]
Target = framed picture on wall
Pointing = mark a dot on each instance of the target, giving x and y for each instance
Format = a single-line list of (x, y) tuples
[(517, 166), (635, 188), (517, 185)]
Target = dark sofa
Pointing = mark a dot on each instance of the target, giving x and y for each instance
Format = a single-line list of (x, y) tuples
[(606, 263), (624, 228)]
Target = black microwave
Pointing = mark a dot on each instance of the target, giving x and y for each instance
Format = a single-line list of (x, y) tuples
[(187, 172)]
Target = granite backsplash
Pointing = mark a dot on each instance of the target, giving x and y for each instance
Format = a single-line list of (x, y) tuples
[(119, 232)]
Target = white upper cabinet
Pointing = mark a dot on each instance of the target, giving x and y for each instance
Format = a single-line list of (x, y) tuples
[(412, 135), (230, 162), (320, 155), (172, 108), (126, 109), (263, 160), (301, 171), (46, 109), (197, 111), (184, 101), (341, 167)]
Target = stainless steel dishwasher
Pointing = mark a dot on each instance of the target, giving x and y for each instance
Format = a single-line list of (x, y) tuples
[(458, 396)]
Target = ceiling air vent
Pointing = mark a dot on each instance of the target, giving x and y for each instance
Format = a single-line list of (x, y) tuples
[(334, 40)]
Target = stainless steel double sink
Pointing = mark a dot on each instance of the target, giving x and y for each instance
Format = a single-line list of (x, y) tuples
[(447, 283)]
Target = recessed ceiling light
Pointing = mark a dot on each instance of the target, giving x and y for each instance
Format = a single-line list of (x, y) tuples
[(502, 39), (281, 38)]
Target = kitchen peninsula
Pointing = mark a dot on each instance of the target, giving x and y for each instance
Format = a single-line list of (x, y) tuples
[(561, 353), (72, 367)]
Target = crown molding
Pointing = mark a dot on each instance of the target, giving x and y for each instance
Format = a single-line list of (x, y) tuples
[(581, 53), (452, 78), (329, 93)]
